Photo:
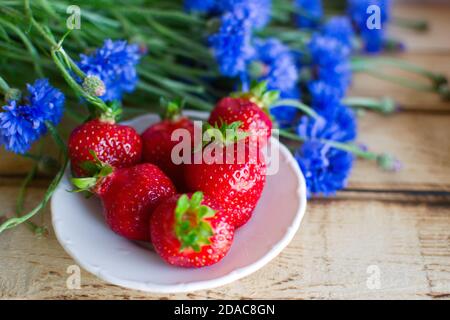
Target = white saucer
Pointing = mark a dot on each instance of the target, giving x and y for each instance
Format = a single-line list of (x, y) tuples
[(81, 230)]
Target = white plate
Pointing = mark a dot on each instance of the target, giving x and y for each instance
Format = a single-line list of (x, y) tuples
[(81, 230)]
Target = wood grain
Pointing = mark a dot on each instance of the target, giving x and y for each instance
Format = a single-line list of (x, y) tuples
[(421, 143), (367, 86), (436, 14), (398, 223), (329, 258)]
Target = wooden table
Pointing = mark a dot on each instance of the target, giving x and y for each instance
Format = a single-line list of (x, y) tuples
[(394, 228)]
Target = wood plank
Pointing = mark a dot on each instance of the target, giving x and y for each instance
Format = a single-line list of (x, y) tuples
[(421, 143), (436, 14), (329, 257), (12, 165), (419, 140), (409, 99)]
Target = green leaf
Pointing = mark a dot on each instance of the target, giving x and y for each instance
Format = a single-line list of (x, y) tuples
[(191, 228), (196, 200), (182, 207), (83, 184), (89, 167), (208, 212), (105, 171)]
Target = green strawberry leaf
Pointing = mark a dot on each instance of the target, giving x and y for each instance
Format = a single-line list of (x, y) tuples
[(191, 228)]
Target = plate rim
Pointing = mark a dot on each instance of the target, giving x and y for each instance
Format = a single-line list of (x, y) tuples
[(228, 278)]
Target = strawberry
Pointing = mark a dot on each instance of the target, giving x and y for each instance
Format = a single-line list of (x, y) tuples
[(117, 145), (128, 195), (235, 177), (191, 231), (158, 145), (250, 108)]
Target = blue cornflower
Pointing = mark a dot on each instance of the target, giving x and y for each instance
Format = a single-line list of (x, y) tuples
[(311, 13), (357, 10), (341, 29), (327, 51), (115, 64), (338, 125), (286, 116), (47, 101), (22, 125), (275, 63), (279, 68), (325, 168), (231, 45), (258, 12), (18, 127), (324, 97), (373, 38), (199, 5), (331, 61)]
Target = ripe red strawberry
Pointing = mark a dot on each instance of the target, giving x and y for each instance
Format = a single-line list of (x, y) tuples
[(158, 145), (118, 145), (191, 231), (236, 181), (129, 196), (251, 109)]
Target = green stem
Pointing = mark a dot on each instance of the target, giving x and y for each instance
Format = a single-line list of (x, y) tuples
[(295, 104), (384, 105), (47, 37), (95, 101), (384, 161), (29, 46), (401, 81), (407, 83), (58, 49), (4, 87), (13, 222), (401, 64), (415, 24), (21, 199), (188, 43)]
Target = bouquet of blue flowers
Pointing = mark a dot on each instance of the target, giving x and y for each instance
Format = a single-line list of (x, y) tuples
[(119, 58)]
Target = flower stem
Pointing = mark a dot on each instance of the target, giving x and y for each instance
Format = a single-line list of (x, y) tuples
[(8, 92), (384, 161), (401, 64), (28, 45), (407, 83), (295, 104), (4, 87), (21, 198), (385, 105), (95, 101), (13, 222), (415, 24)]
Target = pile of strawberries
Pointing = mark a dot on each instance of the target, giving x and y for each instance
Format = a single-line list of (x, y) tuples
[(190, 211)]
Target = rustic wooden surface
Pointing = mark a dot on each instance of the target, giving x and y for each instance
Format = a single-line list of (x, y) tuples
[(398, 224)]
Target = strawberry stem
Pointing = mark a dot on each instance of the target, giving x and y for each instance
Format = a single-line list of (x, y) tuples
[(191, 227), (225, 134), (172, 109), (259, 95), (97, 169)]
